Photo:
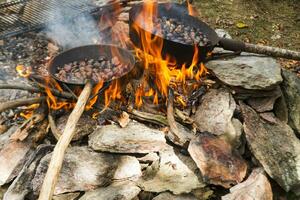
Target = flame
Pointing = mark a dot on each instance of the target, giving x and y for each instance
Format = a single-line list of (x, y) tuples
[(162, 70), (23, 71), (28, 112), (112, 93), (191, 9), (94, 93)]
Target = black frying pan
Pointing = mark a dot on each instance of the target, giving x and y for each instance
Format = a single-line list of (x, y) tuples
[(184, 52), (89, 52)]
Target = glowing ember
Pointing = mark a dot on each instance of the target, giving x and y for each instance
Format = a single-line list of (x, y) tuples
[(23, 71)]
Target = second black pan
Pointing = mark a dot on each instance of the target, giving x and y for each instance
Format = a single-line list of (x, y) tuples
[(184, 52)]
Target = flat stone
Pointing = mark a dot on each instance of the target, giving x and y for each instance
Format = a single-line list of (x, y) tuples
[(67, 196), (85, 126), (168, 195), (12, 158), (122, 191), (21, 186), (291, 91), (275, 146), (134, 138), (218, 162), (170, 173), (257, 186), (84, 170), (264, 104), (247, 71), (4, 137), (215, 113)]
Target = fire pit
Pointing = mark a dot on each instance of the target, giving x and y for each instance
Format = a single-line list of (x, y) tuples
[(158, 118)]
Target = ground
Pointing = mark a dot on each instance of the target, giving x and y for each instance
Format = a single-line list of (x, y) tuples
[(271, 22)]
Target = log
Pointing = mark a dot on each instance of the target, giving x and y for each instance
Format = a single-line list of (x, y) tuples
[(21, 102), (62, 144)]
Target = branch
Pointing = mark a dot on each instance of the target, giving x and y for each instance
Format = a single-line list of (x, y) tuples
[(20, 102), (41, 89), (62, 144)]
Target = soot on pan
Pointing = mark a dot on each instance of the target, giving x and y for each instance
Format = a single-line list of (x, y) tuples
[(174, 30), (101, 69)]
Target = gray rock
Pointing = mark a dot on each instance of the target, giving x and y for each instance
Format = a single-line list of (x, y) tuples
[(4, 137), (171, 173), (134, 138), (12, 158), (275, 146), (121, 191), (291, 91), (264, 104), (215, 113), (67, 196), (85, 126), (84, 170), (257, 186), (247, 71), (167, 195), (21, 186)]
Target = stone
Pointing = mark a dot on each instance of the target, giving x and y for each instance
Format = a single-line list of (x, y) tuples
[(67, 196), (170, 173), (219, 164), (128, 169), (215, 112), (134, 138), (121, 190), (291, 91), (168, 195), (85, 126), (21, 186), (12, 158), (247, 71), (4, 137), (257, 186), (264, 104), (85, 170), (275, 146)]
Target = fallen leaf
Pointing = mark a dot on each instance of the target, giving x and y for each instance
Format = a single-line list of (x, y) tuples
[(241, 25)]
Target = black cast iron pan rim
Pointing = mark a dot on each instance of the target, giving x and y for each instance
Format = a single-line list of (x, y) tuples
[(212, 36), (50, 65)]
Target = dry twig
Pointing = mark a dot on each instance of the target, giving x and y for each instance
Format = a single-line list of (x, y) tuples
[(20, 102)]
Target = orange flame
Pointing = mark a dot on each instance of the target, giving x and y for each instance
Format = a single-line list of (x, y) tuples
[(112, 93), (192, 10), (163, 70)]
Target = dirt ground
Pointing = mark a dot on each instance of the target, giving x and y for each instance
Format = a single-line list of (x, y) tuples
[(271, 22)]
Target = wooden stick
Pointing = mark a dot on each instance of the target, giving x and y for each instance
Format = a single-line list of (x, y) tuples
[(272, 51), (62, 144), (41, 89), (20, 102), (56, 133), (175, 136)]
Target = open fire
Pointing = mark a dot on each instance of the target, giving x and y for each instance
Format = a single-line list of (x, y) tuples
[(160, 72)]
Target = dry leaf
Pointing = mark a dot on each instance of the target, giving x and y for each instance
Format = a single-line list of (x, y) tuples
[(241, 25)]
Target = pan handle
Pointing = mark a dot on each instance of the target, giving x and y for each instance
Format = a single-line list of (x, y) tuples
[(235, 45)]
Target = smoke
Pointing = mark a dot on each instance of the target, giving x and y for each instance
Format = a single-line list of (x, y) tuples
[(69, 29)]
